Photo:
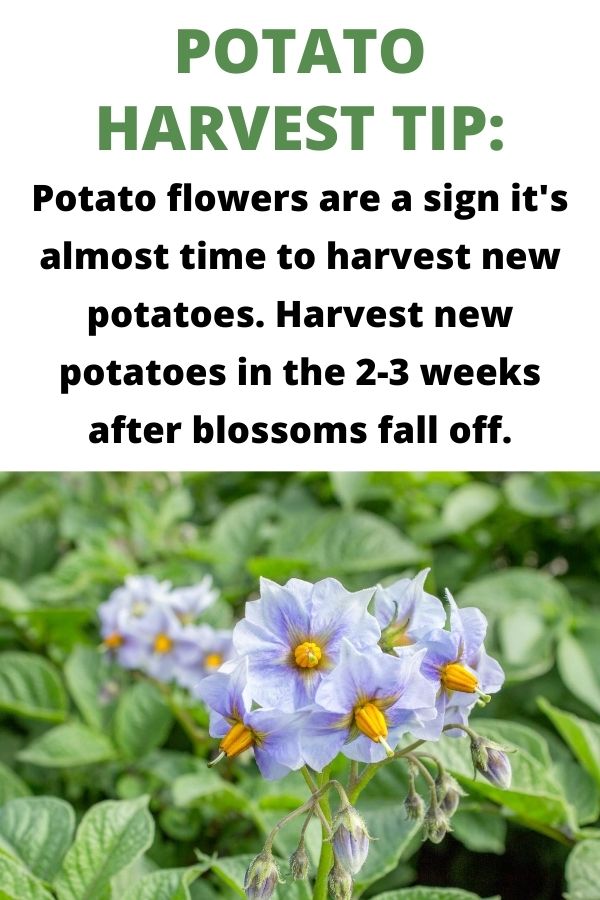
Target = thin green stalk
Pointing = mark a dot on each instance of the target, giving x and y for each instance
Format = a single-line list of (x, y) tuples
[(371, 770), (312, 784), (326, 858), (460, 727)]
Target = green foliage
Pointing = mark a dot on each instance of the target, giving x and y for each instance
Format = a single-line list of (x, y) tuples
[(81, 741), (583, 871)]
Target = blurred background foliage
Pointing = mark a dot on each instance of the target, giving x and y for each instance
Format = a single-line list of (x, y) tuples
[(523, 547)]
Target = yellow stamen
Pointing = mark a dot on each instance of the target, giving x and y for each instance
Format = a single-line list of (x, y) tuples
[(213, 661), (307, 655), (162, 643), (237, 739), (113, 641), (455, 677), (371, 721)]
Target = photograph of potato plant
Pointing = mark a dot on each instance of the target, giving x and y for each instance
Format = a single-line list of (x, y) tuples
[(299, 685)]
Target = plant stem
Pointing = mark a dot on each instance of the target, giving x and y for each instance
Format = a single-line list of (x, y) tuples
[(321, 889), (371, 770), (460, 727), (309, 779)]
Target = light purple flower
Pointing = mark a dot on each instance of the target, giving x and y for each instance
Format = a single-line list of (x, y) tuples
[(273, 735), (202, 652), (406, 613), (154, 642), (131, 600), (189, 602), (363, 708), (457, 664), (127, 606), (292, 637)]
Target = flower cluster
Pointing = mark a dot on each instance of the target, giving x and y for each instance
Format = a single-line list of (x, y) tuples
[(150, 626), (320, 670), (313, 671)]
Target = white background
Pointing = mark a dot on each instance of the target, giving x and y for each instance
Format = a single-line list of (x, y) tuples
[(532, 63)]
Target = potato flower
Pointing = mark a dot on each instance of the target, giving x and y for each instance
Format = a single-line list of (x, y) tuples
[(292, 637), (363, 708), (274, 736), (406, 613), (457, 663), (128, 604), (190, 602), (203, 653)]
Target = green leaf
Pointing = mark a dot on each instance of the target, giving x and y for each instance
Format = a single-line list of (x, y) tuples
[(536, 494), (582, 737), (429, 893), (516, 589), (37, 831), (350, 487), (577, 671), (236, 534), (469, 504), (111, 836), (583, 871), (12, 598), (588, 513), (169, 884), (86, 672), (11, 786), (31, 686), (142, 720), (16, 883), (480, 832), (71, 744), (208, 787), (343, 542)]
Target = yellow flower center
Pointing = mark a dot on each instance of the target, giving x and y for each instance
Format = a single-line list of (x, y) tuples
[(237, 739), (113, 641), (307, 655), (162, 643), (455, 677), (213, 661), (371, 721)]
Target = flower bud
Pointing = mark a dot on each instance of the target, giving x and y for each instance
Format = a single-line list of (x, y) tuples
[(262, 876), (299, 863), (413, 804), (449, 793), (435, 825), (491, 760), (340, 883), (350, 839)]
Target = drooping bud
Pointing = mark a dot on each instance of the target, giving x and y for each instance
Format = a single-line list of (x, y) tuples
[(449, 793), (350, 839), (340, 883), (413, 804), (299, 863), (261, 877), (491, 760), (435, 824)]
